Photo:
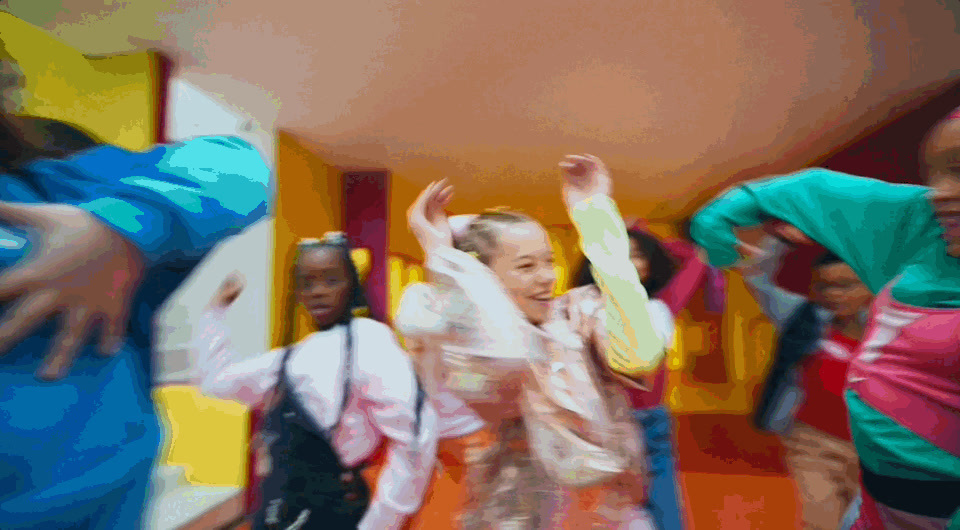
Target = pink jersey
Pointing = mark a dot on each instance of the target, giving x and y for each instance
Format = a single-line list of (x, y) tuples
[(908, 368)]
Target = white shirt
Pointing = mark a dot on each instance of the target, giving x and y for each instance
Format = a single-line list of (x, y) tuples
[(382, 403)]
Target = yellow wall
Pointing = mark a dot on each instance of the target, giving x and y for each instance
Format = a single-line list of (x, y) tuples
[(114, 98), (307, 205), (206, 436)]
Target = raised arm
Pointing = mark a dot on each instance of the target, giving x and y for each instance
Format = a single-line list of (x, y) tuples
[(689, 278), (217, 373), (871, 225), (401, 411), (633, 345)]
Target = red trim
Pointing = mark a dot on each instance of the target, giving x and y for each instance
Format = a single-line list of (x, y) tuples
[(252, 494), (164, 74)]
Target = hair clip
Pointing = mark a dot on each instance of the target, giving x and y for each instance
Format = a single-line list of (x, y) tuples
[(308, 242), (335, 238)]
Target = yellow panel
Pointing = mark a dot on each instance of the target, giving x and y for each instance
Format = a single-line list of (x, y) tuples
[(308, 204), (113, 98), (208, 437)]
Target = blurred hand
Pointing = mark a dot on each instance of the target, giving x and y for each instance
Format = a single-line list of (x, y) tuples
[(788, 233), (228, 292), (80, 269), (427, 217), (584, 176), (750, 257)]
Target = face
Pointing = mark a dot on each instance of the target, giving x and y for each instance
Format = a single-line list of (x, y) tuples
[(524, 265), (837, 288), (323, 286), (941, 156), (639, 260)]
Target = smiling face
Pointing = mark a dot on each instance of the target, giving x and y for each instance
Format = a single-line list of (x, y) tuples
[(524, 263), (324, 286), (941, 158)]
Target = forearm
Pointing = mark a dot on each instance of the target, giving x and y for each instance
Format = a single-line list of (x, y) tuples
[(634, 347), (776, 302), (218, 375)]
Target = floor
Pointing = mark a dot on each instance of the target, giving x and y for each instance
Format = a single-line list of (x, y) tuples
[(733, 478)]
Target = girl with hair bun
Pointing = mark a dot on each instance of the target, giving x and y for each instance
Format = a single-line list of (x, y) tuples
[(331, 398), (544, 374)]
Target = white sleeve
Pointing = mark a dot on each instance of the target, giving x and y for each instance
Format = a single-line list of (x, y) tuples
[(776, 302), (420, 312), (391, 396), (663, 321), (219, 376)]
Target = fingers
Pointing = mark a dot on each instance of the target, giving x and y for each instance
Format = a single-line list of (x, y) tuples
[(749, 251), (419, 205), (575, 165), (445, 194), (69, 339), (25, 316), (19, 214), (229, 291), (13, 282), (113, 330)]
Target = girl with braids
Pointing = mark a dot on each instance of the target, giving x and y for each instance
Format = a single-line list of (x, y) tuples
[(544, 374), (331, 399), (903, 384)]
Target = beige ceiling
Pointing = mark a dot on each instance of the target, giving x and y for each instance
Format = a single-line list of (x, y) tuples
[(675, 96)]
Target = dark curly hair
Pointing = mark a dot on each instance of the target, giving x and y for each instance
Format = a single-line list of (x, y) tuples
[(662, 266)]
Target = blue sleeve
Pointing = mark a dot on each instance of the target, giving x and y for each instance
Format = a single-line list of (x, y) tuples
[(871, 225), (175, 202)]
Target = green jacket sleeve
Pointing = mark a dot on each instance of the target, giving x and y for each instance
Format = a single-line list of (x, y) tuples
[(871, 225)]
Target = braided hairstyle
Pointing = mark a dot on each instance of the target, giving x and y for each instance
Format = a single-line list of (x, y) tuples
[(482, 236), (338, 242)]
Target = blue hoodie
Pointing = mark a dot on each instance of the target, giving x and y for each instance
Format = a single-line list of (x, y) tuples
[(77, 453)]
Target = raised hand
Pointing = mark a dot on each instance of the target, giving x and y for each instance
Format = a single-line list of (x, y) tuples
[(787, 232), (427, 217), (584, 176), (80, 270), (228, 292)]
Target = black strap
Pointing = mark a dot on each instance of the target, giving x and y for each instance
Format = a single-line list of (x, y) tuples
[(283, 386), (421, 401), (929, 498)]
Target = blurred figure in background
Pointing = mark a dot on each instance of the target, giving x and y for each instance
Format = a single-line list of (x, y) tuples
[(903, 385), (803, 397)]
